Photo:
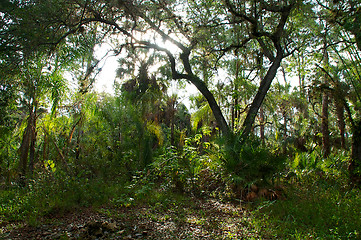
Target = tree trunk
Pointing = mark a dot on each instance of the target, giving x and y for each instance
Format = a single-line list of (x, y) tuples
[(233, 115), (24, 149), (236, 111), (261, 112), (28, 144), (261, 94), (32, 140), (234, 107), (341, 124), (324, 126), (172, 110), (32, 150), (261, 125), (355, 162), (354, 168), (45, 148), (284, 115), (326, 147), (221, 121), (202, 88)]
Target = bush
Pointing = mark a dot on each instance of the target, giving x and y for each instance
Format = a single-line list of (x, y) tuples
[(180, 169), (249, 162), (53, 193)]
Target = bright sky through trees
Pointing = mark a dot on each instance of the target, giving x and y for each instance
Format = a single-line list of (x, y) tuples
[(143, 107)]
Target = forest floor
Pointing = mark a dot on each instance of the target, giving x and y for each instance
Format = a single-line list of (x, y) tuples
[(312, 209), (183, 218)]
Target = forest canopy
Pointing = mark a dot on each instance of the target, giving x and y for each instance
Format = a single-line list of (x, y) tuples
[(278, 98)]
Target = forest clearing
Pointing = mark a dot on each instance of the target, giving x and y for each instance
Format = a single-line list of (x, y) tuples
[(269, 147)]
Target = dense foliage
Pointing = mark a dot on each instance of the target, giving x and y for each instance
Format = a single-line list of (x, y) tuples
[(275, 121)]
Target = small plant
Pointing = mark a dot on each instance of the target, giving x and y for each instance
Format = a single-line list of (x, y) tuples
[(313, 164), (249, 162), (180, 168)]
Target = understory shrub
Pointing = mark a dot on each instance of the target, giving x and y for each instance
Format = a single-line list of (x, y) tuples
[(335, 165), (249, 162), (53, 193), (183, 169)]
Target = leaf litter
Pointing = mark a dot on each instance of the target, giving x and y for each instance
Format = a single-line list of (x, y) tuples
[(193, 218)]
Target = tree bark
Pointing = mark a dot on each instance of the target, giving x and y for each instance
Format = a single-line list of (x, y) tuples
[(32, 140), (27, 144), (261, 125), (45, 148), (261, 94), (202, 87), (341, 124), (326, 147), (24, 149), (221, 121), (235, 107), (284, 115), (355, 163)]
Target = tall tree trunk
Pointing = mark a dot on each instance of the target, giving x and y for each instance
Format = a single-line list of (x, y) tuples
[(218, 115), (24, 148), (45, 147), (355, 163), (284, 147), (261, 112), (261, 94), (27, 144), (202, 88), (261, 124), (172, 110), (341, 124), (233, 114), (326, 147), (235, 107), (33, 134)]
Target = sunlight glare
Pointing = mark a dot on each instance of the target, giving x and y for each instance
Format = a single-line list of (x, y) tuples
[(106, 77)]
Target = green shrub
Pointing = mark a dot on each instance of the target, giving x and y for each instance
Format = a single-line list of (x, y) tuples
[(249, 162), (306, 165), (180, 169), (51, 193), (15, 204)]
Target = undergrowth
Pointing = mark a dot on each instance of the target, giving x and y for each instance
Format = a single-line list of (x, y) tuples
[(315, 208), (50, 194), (317, 201)]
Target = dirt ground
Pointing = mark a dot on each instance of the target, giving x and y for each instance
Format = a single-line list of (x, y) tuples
[(191, 219)]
